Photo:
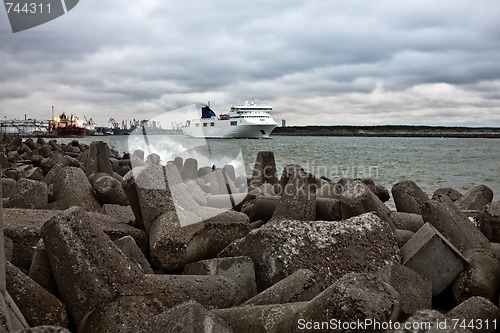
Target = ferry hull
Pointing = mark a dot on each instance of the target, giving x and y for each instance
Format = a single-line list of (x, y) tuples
[(69, 132), (240, 132)]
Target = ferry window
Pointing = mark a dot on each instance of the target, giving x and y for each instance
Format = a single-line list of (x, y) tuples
[(204, 124), (234, 123), (197, 125), (212, 124)]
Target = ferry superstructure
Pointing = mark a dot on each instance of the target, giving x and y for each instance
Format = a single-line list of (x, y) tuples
[(247, 120)]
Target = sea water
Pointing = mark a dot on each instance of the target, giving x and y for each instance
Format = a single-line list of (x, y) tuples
[(431, 162)]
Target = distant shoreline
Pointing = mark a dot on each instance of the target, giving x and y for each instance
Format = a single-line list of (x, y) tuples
[(390, 131)]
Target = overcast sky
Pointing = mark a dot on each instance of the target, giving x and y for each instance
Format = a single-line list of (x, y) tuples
[(316, 62)]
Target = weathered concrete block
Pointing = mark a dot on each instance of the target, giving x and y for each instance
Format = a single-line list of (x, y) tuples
[(35, 174), (490, 223), (262, 208), (115, 230), (414, 289), (129, 313), (23, 226), (453, 194), (476, 198), (407, 221), (431, 255), (73, 188), (239, 269), (189, 169), (47, 163), (4, 161), (36, 304), (447, 218), (188, 317), (41, 272), (264, 170), (153, 159), (28, 193), (14, 173), (213, 292), (357, 199), (328, 209), (24, 232), (275, 318), (139, 153), (89, 269), (98, 159), (230, 172), (289, 171), (402, 236), (130, 189), (153, 193), (203, 171), (327, 248), (298, 198), (193, 187), (355, 296), (475, 216), (173, 246), (329, 190), (220, 183), (8, 185), (300, 286), (479, 311), (430, 321), (481, 277), (129, 247), (264, 189), (123, 214), (179, 163), (408, 197), (109, 190)]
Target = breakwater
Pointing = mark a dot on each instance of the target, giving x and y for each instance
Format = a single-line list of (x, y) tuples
[(110, 242), (390, 131)]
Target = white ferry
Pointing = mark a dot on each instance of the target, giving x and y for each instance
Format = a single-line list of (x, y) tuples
[(247, 120)]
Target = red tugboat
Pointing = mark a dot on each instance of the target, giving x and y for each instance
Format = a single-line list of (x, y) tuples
[(64, 127)]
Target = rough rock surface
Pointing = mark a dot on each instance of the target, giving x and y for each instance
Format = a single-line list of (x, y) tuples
[(79, 251), (29, 193), (298, 198), (429, 321), (109, 190), (476, 198), (36, 304), (73, 188), (188, 317), (478, 310), (329, 249), (173, 246), (408, 197), (355, 296), (300, 286)]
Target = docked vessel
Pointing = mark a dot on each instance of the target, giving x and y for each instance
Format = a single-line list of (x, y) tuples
[(247, 120), (64, 127)]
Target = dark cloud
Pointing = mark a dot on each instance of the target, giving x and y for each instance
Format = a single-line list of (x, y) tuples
[(316, 62)]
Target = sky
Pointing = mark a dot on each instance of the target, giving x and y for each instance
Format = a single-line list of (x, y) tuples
[(316, 62)]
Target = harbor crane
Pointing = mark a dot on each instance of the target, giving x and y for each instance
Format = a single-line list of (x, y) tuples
[(114, 122)]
